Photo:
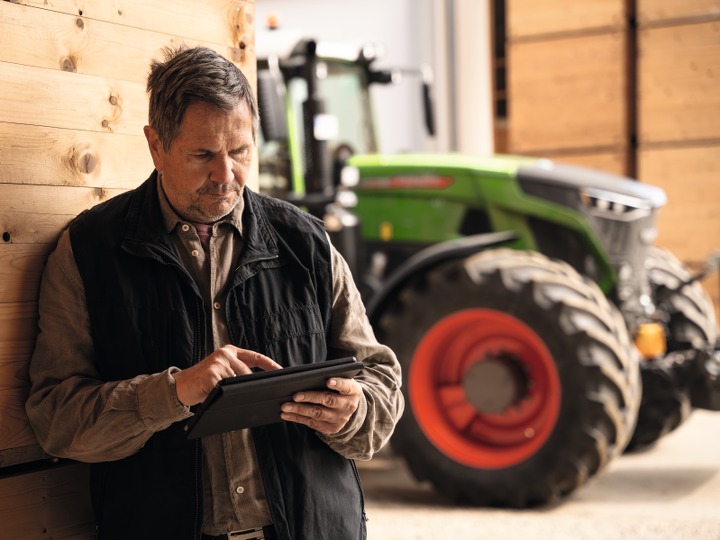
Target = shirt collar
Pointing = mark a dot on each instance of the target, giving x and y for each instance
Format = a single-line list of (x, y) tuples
[(171, 219)]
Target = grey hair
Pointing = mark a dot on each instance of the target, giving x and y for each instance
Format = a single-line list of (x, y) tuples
[(194, 75)]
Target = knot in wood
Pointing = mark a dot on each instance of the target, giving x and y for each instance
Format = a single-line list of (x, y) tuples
[(67, 65), (113, 100), (79, 22), (105, 123)]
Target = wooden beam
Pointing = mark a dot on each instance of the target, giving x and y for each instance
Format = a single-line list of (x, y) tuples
[(679, 70), (44, 97), (52, 156), (532, 18), (213, 21), (68, 42), (689, 225), (15, 430), (22, 454), (51, 503), (655, 11), (38, 214), (567, 94), (21, 268)]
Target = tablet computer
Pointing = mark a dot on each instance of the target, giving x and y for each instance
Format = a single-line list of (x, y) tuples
[(254, 400)]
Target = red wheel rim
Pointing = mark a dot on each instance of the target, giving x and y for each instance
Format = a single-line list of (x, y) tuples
[(450, 421)]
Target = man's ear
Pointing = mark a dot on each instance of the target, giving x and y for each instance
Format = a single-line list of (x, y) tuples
[(155, 146)]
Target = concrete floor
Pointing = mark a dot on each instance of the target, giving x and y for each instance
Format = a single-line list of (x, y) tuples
[(670, 491)]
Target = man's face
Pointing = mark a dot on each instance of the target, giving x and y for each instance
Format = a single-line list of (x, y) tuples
[(205, 172)]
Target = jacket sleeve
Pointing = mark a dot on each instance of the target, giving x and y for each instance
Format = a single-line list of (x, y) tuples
[(73, 412), (350, 334)]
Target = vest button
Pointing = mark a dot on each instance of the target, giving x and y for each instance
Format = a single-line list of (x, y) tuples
[(194, 252), (240, 489), (186, 228), (216, 305)]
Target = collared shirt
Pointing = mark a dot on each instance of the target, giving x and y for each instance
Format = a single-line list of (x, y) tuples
[(77, 415)]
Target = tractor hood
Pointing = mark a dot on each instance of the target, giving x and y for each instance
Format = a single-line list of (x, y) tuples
[(532, 174)]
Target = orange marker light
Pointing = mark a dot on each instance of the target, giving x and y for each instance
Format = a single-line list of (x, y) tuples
[(650, 340)]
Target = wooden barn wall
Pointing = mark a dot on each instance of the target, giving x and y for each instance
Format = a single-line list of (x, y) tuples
[(567, 81), (72, 110), (577, 93)]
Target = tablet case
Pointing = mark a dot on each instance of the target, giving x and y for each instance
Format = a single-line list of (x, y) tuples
[(255, 399)]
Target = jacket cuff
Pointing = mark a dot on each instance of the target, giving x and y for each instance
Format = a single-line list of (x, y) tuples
[(158, 402)]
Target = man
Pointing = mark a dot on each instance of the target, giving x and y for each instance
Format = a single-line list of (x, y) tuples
[(153, 297)]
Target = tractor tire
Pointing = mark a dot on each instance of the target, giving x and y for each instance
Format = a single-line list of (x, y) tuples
[(565, 347), (691, 325)]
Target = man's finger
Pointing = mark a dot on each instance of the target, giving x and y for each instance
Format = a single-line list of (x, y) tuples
[(255, 359), (346, 387)]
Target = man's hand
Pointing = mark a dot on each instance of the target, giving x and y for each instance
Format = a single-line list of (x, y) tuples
[(326, 412), (195, 383)]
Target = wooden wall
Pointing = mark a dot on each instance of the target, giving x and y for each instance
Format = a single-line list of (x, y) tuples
[(72, 109), (567, 81), (586, 88)]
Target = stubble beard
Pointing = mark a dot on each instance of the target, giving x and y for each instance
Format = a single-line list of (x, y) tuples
[(202, 213)]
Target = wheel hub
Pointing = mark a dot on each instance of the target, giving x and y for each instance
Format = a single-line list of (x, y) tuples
[(495, 383)]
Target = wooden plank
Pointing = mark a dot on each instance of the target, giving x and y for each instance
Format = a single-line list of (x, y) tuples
[(567, 94), (530, 17), (15, 430), (38, 214), (16, 351), (52, 156), (59, 41), (43, 97), (18, 321), (52, 503), (14, 375), (654, 11), (215, 21), (679, 82), (22, 454), (21, 268), (612, 162), (689, 225)]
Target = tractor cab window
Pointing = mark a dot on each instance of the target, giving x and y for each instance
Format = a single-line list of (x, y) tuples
[(345, 93)]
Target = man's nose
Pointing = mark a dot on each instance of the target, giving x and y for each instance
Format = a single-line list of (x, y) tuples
[(222, 169)]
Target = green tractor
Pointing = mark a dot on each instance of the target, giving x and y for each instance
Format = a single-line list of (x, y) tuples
[(524, 299)]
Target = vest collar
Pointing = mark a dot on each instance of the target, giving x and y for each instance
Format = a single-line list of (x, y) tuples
[(144, 233)]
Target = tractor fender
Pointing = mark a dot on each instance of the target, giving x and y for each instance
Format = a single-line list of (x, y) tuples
[(428, 258)]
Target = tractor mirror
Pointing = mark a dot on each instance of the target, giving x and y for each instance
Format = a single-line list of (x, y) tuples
[(271, 102)]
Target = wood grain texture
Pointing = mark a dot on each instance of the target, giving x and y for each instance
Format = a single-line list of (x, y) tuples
[(215, 21), (66, 42), (43, 97), (653, 11), (689, 225), (22, 454), (15, 430), (530, 17), (52, 156), (679, 83), (16, 351), (21, 268), (567, 94), (54, 503), (14, 375), (38, 214)]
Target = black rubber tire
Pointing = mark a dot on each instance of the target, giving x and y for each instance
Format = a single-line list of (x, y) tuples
[(587, 337), (666, 403)]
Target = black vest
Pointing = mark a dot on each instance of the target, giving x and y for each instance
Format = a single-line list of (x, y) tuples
[(146, 314)]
